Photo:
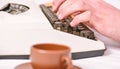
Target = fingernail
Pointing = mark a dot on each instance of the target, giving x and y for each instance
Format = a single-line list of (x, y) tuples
[(53, 9), (57, 13), (60, 16), (72, 24)]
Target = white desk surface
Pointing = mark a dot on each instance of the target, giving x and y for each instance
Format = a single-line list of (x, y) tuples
[(110, 60)]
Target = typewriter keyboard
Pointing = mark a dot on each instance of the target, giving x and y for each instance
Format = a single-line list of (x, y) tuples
[(63, 25)]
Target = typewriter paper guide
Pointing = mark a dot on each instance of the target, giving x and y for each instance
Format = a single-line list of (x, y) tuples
[(19, 32)]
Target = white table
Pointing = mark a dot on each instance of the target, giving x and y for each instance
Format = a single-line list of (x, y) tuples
[(110, 60)]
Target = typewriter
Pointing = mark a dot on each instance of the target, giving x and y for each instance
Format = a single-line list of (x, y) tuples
[(24, 23)]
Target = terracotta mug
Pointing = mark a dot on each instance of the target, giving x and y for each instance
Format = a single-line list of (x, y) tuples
[(50, 56)]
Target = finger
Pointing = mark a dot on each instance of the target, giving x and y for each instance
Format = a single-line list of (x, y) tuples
[(69, 7), (76, 13), (83, 17), (89, 24), (56, 4)]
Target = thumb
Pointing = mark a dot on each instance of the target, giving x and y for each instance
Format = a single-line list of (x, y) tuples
[(83, 17)]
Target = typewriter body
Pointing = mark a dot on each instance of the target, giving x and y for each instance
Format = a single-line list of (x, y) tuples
[(24, 23)]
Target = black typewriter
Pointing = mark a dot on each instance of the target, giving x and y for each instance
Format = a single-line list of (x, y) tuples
[(64, 25)]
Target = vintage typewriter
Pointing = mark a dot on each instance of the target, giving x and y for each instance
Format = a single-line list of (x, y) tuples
[(24, 23)]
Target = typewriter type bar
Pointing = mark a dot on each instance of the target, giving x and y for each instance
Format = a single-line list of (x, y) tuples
[(14, 8), (64, 25)]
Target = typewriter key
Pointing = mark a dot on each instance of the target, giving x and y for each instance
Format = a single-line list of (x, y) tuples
[(80, 27), (87, 34), (65, 27), (75, 31), (58, 25), (49, 14)]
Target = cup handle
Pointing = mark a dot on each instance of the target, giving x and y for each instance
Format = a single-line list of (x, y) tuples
[(68, 62)]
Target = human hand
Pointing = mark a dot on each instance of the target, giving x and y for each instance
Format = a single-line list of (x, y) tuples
[(97, 14)]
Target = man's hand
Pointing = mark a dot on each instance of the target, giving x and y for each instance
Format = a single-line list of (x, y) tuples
[(95, 13)]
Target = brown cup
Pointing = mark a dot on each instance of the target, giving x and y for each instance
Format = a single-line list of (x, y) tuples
[(50, 56)]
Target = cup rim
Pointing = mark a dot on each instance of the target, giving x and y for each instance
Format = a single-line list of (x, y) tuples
[(67, 49)]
